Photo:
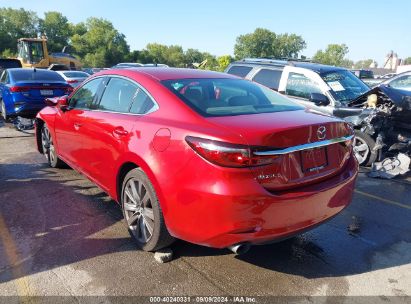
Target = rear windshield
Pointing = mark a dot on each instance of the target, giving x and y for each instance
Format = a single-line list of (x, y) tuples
[(37, 75), (72, 74), (229, 97)]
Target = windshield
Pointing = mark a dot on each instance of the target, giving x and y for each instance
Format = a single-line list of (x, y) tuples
[(345, 86), (228, 97)]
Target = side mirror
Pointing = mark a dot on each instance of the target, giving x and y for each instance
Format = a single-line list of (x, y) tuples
[(63, 103), (319, 99)]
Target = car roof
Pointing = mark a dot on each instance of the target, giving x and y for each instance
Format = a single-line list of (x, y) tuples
[(160, 73), (316, 67)]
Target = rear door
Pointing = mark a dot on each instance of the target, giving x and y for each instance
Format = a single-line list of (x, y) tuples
[(69, 125)]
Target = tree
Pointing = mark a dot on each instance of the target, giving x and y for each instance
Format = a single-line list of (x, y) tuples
[(101, 45), (172, 55), (334, 55), (264, 43), (223, 62), (363, 64), (15, 24), (57, 29), (407, 60)]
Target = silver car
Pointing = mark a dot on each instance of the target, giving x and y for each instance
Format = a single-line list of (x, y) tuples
[(74, 78)]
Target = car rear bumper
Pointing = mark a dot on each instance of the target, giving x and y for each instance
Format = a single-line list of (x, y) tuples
[(27, 110), (231, 212)]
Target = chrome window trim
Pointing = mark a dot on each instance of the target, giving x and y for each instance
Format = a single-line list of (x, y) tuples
[(308, 146)]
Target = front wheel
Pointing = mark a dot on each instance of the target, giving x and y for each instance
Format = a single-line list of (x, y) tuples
[(363, 149), (142, 212), (49, 150)]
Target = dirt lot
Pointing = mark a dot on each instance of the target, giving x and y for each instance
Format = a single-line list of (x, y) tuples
[(60, 235)]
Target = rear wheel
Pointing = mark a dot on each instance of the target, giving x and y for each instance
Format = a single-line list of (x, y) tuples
[(142, 212), (49, 149), (3, 110), (363, 148)]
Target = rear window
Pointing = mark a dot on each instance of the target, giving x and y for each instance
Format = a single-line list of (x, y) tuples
[(269, 78), (228, 97), (35, 75), (72, 74), (239, 70)]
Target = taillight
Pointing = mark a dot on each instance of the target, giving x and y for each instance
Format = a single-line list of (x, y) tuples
[(16, 89), (226, 154), (72, 81)]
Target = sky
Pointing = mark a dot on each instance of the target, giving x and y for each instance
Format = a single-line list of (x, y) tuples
[(370, 28)]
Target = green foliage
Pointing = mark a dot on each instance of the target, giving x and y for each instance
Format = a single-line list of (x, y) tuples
[(363, 64), (15, 24), (172, 55), (57, 29), (334, 55), (101, 45), (223, 62), (7, 53), (407, 60), (266, 44)]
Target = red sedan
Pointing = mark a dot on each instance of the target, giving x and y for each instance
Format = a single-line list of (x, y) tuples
[(201, 156)]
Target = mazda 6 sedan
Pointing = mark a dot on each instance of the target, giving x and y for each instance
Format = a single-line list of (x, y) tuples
[(201, 156)]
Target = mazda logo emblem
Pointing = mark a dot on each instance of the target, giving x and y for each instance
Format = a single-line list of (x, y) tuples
[(321, 132)]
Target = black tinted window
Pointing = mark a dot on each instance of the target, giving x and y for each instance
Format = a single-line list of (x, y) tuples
[(86, 96), (239, 70), (35, 75), (142, 103), (118, 95), (269, 78)]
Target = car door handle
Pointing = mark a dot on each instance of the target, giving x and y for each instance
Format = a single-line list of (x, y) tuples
[(77, 126), (120, 131)]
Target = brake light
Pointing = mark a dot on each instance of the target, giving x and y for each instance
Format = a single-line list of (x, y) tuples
[(72, 81), (226, 154), (16, 89)]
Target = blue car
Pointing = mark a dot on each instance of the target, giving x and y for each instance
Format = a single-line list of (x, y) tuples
[(23, 91)]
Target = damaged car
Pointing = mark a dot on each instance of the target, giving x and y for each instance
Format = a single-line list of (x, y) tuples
[(383, 125)]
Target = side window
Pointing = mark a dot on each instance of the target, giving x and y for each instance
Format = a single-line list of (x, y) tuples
[(118, 95), (268, 78), (86, 96), (142, 103), (239, 70), (301, 86), (403, 82)]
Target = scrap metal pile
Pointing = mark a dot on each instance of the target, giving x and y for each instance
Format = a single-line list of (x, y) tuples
[(386, 117)]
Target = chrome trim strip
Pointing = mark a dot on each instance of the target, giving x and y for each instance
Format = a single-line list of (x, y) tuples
[(313, 145)]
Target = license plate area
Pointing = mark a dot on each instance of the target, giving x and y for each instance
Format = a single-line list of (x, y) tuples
[(314, 159), (46, 92)]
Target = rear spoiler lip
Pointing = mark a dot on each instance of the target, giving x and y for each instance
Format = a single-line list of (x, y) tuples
[(308, 146)]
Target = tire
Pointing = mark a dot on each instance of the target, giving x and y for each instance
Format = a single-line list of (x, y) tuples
[(3, 110), (142, 212), (363, 149), (49, 150)]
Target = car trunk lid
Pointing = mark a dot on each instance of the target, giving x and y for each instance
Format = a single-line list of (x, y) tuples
[(303, 147)]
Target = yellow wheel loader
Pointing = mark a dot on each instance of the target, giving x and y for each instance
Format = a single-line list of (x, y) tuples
[(33, 53)]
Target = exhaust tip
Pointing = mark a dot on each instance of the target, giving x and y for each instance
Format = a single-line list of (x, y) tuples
[(240, 248)]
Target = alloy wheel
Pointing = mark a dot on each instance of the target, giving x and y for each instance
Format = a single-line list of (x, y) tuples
[(361, 150), (138, 210), (47, 145), (3, 110)]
